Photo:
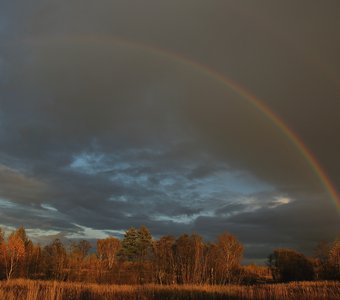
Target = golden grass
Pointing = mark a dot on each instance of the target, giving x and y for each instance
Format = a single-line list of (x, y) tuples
[(51, 290)]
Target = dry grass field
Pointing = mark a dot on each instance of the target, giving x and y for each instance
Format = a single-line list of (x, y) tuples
[(51, 290)]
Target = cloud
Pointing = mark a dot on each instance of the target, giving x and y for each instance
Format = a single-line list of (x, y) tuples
[(294, 225), (89, 233), (280, 201), (96, 137), (19, 187)]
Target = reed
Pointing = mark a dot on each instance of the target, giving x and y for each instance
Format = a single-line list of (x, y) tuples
[(52, 290)]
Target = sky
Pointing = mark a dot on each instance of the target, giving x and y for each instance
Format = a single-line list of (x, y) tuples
[(113, 114)]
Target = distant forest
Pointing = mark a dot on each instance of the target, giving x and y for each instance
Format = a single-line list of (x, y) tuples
[(137, 259)]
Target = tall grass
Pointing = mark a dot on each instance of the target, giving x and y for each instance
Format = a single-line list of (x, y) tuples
[(51, 290)]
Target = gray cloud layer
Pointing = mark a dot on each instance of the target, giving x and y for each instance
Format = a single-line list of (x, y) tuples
[(107, 136)]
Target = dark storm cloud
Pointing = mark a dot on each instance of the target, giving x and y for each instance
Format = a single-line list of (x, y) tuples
[(268, 228), (216, 122), (20, 188), (73, 100), (107, 136)]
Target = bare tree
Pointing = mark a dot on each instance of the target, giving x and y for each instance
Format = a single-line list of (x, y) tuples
[(164, 260), (55, 260), (334, 260)]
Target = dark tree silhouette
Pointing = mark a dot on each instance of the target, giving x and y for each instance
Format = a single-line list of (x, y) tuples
[(289, 265)]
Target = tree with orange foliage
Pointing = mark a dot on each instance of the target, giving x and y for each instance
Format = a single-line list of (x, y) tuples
[(107, 250), (2, 266), (76, 258), (23, 268), (189, 259), (13, 253), (229, 252)]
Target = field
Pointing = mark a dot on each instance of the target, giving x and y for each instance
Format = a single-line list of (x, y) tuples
[(51, 290)]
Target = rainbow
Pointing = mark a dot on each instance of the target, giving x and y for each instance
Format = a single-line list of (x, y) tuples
[(222, 79)]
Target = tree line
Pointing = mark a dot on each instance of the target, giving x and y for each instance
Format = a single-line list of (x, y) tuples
[(137, 259)]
